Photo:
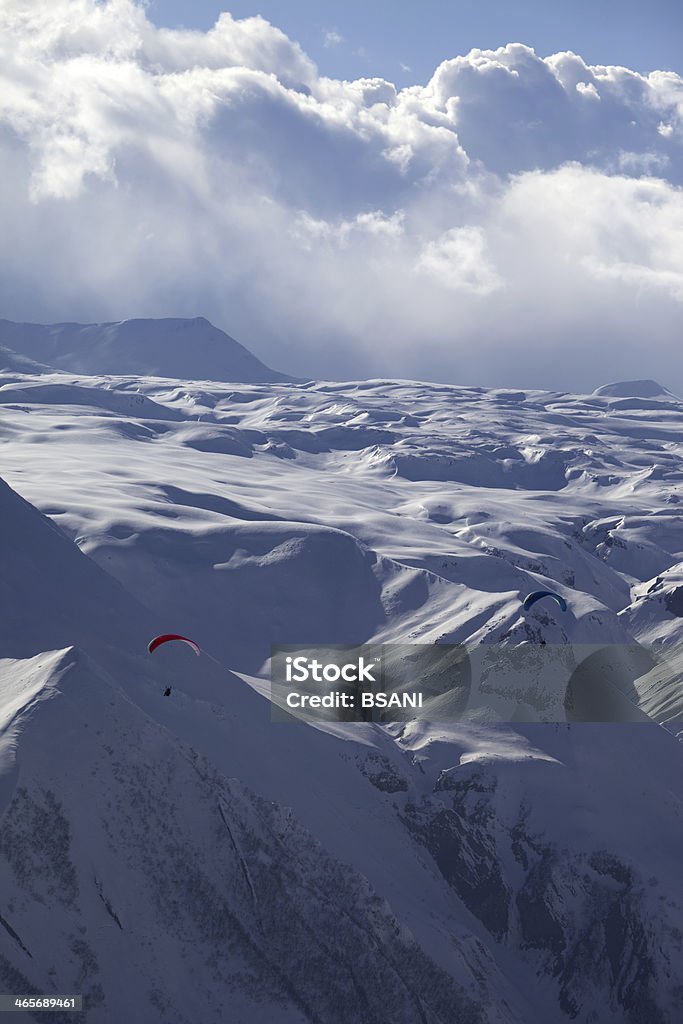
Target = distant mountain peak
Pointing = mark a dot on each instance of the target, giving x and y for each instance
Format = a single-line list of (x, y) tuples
[(183, 348)]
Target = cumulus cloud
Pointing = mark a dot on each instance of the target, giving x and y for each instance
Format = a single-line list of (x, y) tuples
[(516, 220)]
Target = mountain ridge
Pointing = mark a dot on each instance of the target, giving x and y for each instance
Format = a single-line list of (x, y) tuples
[(175, 347)]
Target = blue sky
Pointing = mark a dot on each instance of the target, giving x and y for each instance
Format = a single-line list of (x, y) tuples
[(380, 36)]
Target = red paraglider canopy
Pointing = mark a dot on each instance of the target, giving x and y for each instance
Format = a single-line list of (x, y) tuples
[(165, 637)]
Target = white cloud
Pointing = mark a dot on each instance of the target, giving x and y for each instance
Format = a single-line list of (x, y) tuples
[(516, 220), (332, 38), (308, 229), (588, 89), (458, 260)]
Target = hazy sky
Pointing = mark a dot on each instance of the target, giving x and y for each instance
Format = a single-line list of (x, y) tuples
[(494, 216), (349, 39)]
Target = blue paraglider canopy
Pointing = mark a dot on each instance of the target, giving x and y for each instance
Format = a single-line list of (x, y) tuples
[(538, 595)]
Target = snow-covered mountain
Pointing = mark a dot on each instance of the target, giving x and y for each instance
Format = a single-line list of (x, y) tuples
[(190, 859), (168, 347)]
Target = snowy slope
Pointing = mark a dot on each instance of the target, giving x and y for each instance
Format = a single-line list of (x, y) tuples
[(168, 347), (203, 859)]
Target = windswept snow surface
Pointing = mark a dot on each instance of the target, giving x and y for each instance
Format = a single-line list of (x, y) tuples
[(187, 859)]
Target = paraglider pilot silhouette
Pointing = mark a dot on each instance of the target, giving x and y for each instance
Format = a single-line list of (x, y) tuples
[(164, 638)]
